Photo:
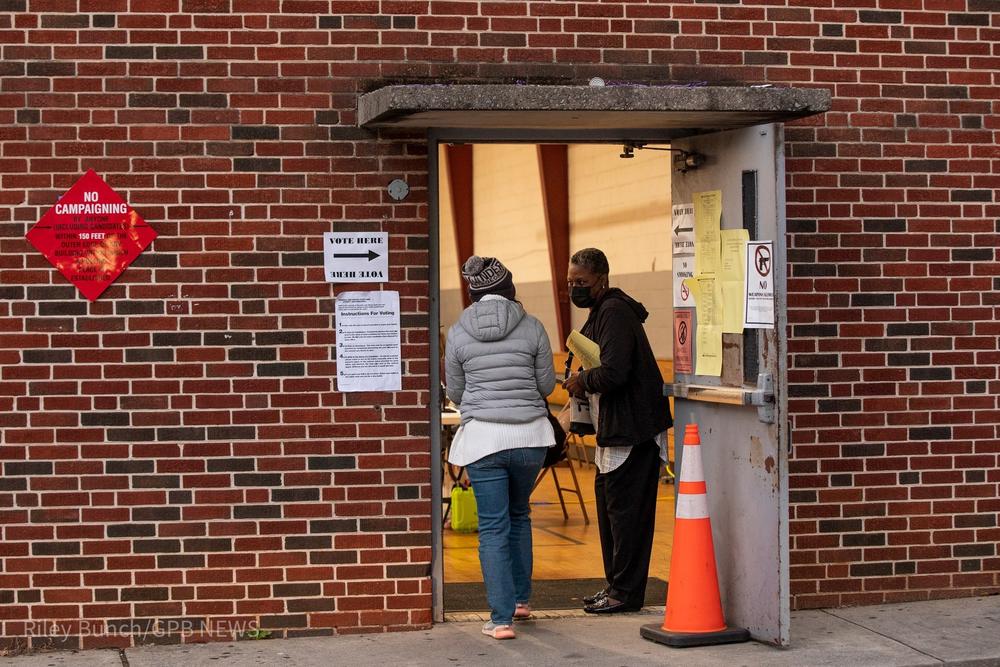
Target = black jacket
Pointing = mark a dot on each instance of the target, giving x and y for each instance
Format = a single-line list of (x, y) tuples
[(633, 408)]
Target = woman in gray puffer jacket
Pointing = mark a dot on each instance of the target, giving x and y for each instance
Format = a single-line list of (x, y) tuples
[(499, 371)]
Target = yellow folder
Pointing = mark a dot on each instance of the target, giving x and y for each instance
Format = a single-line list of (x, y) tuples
[(587, 352)]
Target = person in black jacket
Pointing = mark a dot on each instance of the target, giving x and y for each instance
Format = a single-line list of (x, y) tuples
[(632, 418)]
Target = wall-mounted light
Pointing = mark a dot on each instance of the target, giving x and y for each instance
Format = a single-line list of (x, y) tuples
[(684, 161)]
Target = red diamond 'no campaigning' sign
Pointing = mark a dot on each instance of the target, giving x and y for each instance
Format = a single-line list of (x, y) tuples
[(91, 235)]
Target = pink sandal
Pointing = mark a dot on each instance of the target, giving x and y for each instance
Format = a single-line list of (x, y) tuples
[(498, 631)]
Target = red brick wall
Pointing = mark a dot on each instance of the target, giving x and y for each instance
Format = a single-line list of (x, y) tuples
[(894, 293), (177, 450)]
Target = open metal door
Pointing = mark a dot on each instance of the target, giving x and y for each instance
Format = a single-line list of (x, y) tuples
[(741, 415)]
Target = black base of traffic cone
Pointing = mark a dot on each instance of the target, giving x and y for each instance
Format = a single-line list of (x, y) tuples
[(656, 633)]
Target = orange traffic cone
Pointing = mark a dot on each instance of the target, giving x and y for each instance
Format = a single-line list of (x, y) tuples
[(694, 608)]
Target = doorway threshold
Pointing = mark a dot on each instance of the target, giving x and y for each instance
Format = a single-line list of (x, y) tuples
[(539, 614)]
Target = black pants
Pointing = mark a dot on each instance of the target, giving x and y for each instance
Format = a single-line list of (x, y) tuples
[(626, 514)]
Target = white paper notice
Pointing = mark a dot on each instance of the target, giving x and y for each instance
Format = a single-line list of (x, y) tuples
[(682, 249), (368, 349), (683, 268), (682, 230), (356, 257), (759, 311)]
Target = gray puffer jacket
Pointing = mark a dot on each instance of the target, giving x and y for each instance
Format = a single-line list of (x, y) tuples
[(498, 363)]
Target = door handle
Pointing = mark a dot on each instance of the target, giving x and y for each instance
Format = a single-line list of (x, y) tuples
[(761, 396)]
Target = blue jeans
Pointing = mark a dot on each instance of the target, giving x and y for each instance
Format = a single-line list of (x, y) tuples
[(502, 483)]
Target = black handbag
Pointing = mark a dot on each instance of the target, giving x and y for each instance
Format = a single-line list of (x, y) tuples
[(557, 452)]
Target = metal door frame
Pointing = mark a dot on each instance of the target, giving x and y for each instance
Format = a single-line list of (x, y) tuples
[(436, 136)]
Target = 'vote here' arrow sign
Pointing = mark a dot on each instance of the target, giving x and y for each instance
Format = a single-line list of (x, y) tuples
[(356, 257)]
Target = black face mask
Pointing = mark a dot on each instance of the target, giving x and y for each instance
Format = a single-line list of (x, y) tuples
[(581, 297)]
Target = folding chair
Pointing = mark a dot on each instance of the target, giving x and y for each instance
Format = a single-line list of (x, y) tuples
[(575, 489), (575, 448)]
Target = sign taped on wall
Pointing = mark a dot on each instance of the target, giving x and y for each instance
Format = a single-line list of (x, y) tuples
[(683, 269), (682, 248), (368, 341), (682, 341), (707, 228), (760, 286), (733, 279), (707, 290), (682, 229), (91, 235), (356, 257)]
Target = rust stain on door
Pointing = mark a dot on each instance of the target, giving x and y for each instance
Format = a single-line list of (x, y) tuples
[(766, 463)]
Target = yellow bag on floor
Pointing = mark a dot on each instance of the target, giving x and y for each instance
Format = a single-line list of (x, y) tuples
[(464, 517)]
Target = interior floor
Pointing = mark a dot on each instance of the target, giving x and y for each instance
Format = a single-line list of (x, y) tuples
[(563, 548)]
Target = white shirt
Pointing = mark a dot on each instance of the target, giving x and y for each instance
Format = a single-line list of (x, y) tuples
[(476, 439), (610, 458)]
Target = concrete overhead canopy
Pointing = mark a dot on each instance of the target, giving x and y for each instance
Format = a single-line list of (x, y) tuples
[(629, 112)]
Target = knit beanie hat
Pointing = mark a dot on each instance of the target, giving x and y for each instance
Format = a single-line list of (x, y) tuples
[(486, 275)]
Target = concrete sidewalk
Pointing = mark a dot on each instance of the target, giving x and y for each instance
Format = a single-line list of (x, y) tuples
[(953, 632)]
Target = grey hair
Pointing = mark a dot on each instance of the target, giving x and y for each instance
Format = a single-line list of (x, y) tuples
[(591, 259)]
